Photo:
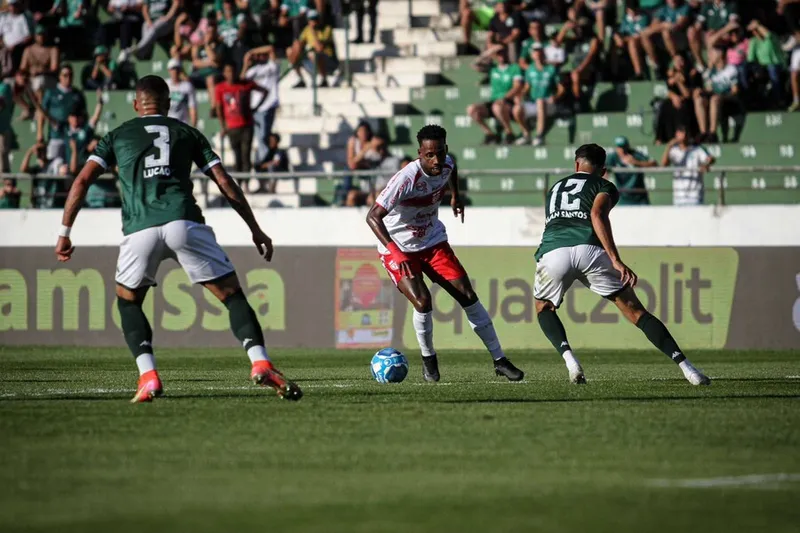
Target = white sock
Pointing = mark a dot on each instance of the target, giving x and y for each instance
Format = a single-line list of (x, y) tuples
[(257, 353), (482, 325), (423, 327), (571, 360), (145, 362)]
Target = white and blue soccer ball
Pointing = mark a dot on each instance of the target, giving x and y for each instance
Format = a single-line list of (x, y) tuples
[(389, 366)]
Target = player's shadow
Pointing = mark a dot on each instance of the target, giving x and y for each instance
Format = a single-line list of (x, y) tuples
[(625, 399)]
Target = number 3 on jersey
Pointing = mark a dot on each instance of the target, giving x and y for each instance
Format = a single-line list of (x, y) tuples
[(161, 143), (573, 187)]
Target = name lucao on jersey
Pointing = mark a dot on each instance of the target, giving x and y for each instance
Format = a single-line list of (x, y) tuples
[(157, 164)]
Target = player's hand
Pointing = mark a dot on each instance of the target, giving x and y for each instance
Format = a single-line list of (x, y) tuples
[(458, 207), (264, 244), (627, 276), (405, 270), (64, 249)]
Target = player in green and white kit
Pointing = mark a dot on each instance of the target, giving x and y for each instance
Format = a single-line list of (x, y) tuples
[(578, 245), (161, 220)]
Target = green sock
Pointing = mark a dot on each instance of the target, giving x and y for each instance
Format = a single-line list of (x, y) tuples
[(554, 330), (659, 335), (135, 327), (244, 322)]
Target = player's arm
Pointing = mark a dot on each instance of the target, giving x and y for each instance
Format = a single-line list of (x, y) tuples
[(233, 193), (455, 196), (375, 218), (601, 223), (77, 194)]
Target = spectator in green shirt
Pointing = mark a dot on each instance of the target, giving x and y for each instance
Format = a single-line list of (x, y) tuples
[(721, 83), (713, 17), (56, 105), (630, 184), (75, 32), (670, 20), (628, 37), (506, 83), (543, 90), (9, 194), (765, 52)]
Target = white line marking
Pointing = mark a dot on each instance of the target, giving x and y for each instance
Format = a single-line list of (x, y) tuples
[(734, 481)]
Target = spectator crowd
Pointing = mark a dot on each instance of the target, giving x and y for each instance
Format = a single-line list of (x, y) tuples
[(230, 48), (719, 59)]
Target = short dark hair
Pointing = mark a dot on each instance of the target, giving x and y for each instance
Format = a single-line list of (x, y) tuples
[(277, 137), (153, 86), (594, 154), (431, 132)]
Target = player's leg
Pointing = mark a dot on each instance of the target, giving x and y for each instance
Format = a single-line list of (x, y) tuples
[(603, 279), (554, 276), (657, 333), (140, 254), (417, 293), (442, 266), (195, 248)]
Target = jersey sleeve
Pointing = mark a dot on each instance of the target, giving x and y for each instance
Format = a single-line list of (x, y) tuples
[(396, 191), (202, 153), (610, 189), (104, 153)]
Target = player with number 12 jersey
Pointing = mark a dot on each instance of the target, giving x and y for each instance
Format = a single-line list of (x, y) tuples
[(160, 220), (578, 245)]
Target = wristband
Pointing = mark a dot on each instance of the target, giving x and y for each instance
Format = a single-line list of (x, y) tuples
[(64, 231), (397, 253)]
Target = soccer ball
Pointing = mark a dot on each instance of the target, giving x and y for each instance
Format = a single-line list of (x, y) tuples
[(389, 366)]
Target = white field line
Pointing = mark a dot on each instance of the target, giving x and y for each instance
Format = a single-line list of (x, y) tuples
[(753, 480)]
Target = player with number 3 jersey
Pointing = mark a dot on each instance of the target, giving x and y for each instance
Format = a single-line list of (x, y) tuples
[(412, 241), (578, 245), (161, 219)]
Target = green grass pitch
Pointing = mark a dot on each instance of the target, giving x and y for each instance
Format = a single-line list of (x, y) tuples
[(638, 449)]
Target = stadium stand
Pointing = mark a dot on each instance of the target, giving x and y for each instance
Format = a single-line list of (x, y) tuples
[(416, 73)]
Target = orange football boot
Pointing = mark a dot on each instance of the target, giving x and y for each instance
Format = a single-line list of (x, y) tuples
[(266, 375), (149, 387)]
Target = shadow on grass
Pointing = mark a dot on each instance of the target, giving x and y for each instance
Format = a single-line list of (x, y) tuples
[(624, 399)]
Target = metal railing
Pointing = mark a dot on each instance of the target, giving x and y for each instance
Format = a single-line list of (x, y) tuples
[(540, 180)]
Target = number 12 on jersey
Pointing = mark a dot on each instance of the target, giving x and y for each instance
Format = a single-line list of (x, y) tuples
[(572, 188)]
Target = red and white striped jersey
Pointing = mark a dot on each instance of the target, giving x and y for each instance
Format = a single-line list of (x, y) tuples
[(412, 199)]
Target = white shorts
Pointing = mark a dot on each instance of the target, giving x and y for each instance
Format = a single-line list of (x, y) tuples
[(794, 64), (587, 263), (531, 110), (192, 244)]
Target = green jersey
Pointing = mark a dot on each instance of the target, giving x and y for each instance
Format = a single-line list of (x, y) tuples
[(82, 137), (6, 106), (716, 16), (721, 81), (672, 14), (568, 220), (228, 31), (58, 103), (633, 24), (542, 82), (502, 78), (651, 4), (294, 7), (629, 180), (155, 155), (71, 8), (526, 50), (157, 8)]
